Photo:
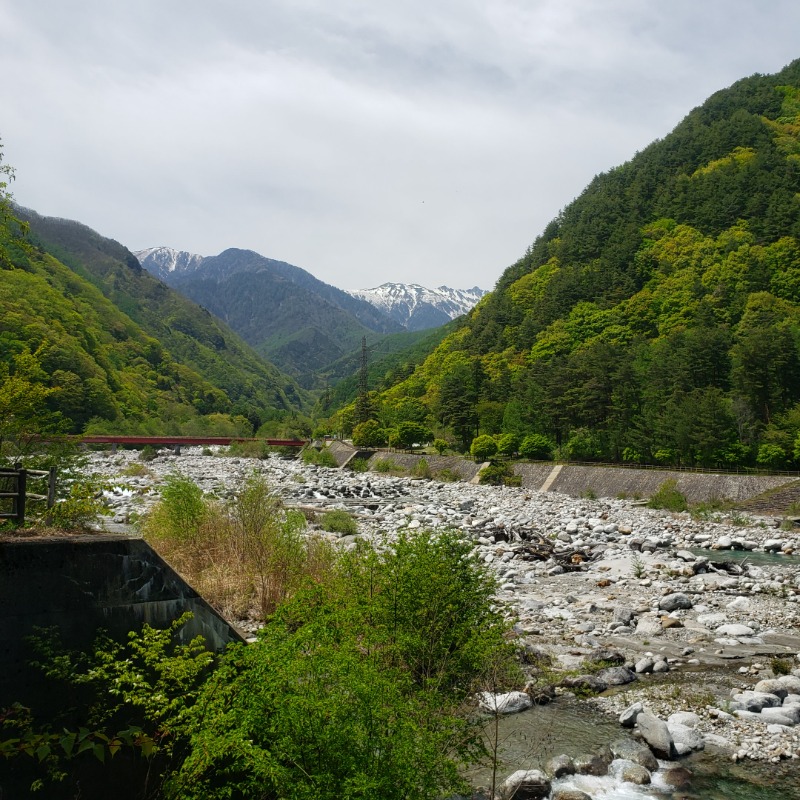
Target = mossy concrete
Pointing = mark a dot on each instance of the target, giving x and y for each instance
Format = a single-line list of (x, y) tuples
[(81, 584)]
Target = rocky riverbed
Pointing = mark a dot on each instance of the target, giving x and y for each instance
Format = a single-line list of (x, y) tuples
[(641, 608)]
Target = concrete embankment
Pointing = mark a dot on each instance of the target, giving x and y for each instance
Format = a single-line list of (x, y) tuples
[(79, 584), (599, 481)]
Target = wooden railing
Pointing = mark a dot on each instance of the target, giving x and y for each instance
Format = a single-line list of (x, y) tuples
[(14, 487)]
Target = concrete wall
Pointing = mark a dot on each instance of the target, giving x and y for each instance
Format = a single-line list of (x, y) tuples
[(464, 467), (83, 583), (697, 487)]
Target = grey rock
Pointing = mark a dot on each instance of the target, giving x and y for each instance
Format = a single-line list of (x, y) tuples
[(685, 736), (637, 752), (772, 686), (675, 601), (660, 667), (616, 676), (605, 655), (623, 614), (656, 733), (560, 766), (570, 794), (792, 713), (734, 630), (687, 718), (586, 683), (628, 717), (592, 764), (504, 702), (629, 772), (677, 777), (644, 665), (525, 784)]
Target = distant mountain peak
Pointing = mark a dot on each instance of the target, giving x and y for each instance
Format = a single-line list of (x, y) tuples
[(162, 261), (416, 307)]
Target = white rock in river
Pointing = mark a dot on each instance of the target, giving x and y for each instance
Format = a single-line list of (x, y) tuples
[(504, 702), (734, 630)]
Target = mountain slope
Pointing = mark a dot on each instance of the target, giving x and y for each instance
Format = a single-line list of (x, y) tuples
[(296, 321), (657, 318), (417, 308), (191, 359)]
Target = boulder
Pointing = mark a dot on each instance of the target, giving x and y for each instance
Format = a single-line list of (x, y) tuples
[(734, 630), (772, 686), (791, 683), (644, 665), (629, 772), (677, 777), (525, 784), (616, 676), (656, 733), (605, 655), (675, 601), (637, 752), (592, 764), (560, 766), (628, 717), (504, 702), (792, 713), (570, 794), (685, 737), (687, 718), (585, 683), (623, 614)]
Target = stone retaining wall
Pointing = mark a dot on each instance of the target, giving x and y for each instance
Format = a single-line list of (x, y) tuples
[(464, 467)]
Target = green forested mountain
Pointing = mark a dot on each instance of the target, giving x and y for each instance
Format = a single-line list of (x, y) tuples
[(657, 318), (116, 348)]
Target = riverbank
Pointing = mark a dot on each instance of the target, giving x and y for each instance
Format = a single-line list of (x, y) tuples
[(728, 628)]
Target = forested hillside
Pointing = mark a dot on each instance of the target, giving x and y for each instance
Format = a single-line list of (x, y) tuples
[(105, 345), (657, 318)]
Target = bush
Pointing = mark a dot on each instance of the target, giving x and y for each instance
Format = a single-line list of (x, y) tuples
[(387, 465), (79, 509), (358, 465), (448, 476), (408, 435), (339, 521), (421, 469), (148, 453), (440, 446), (536, 447), (507, 444), (357, 687), (483, 448), (499, 475), (668, 497), (245, 556), (319, 458)]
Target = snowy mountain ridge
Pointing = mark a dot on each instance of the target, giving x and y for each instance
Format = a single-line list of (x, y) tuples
[(161, 261), (417, 307)]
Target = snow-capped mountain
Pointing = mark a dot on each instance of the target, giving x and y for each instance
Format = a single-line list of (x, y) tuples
[(161, 261), (418, 308)]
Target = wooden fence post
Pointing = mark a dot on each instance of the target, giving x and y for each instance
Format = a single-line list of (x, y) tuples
[(51, 487), (22, 481)]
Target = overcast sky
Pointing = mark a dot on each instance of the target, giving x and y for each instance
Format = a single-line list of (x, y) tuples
[(424, 141)]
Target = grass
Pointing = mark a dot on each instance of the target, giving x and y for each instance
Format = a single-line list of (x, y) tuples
[(447, 476), (135, 470), (244, 556), (319, 458), (358, 465), (421, 469), (781, 666)]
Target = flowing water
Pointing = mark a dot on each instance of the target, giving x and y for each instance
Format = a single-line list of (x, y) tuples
[(528, 740), (759, 559)]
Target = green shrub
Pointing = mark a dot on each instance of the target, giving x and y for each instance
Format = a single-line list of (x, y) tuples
[(483, 447), (80, 508), (319, 458), (507, 444), (148, 453), (369, 434), (358, 465), (339, 521), (668, 497), (387, 465), (421, 469), (180, 512), (536, 447), (447, 475), (499, 475), (781, 666), (440, 446)]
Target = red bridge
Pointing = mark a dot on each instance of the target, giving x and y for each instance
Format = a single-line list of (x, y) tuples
[(186, 440)]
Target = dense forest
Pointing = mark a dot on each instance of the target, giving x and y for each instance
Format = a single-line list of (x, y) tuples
[(656, 319), (90, 341)]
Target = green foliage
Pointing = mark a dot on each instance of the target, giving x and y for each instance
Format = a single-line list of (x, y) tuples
[(369, 434), (358, 465), (483, 447), (771, 456), (116, 706), (181, 511), (499, 474), (355, 688), (408, 435), (447, 475), (668, 497), (421, 469), (536, 447), (339, 521), (148, 453), (508, 444), (440, 446), (387, 465), (657, 319), (319, 458), (781, 666), (80, 508)]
